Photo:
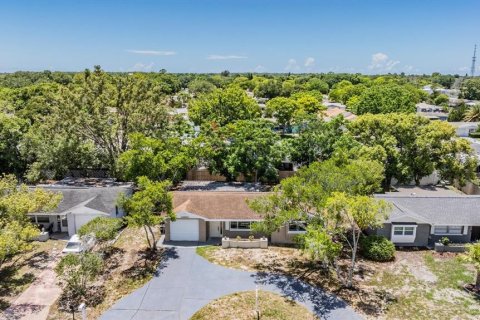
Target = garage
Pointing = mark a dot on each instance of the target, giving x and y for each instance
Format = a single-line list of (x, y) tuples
[(184, 230)]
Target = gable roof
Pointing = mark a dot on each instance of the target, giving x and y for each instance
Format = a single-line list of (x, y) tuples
[(216, 204), (100, 199), (442, 210)]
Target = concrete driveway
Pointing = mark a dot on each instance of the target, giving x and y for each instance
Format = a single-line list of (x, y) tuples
[(186, 282)]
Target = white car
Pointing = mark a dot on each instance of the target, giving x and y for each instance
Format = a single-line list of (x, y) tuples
[(77, 245)]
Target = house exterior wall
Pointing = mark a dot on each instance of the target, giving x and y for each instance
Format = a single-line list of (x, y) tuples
[(461, 238), (282, 236), (234, 233), (421, 237)]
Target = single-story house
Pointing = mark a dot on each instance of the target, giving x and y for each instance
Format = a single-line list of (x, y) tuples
[(79, 205), (201, 215), (421, 220)]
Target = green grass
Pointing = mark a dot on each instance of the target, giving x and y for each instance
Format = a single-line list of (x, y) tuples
[(241, 306), (205, 251), (451, 272)]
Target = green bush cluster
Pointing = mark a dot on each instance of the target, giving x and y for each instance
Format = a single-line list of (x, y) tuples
[(377, 248)]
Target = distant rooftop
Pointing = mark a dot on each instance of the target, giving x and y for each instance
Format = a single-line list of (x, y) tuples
[(190, 185), (85, 183), (424, 191)]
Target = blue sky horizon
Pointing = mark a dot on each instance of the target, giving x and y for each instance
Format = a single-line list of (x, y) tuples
[(370, 37)]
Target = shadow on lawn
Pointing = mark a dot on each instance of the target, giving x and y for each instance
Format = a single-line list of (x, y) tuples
[(11, 284), (323, 303), (308, 280)]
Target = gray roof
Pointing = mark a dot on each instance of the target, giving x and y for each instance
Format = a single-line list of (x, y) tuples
[(442, 210), (102, 199)]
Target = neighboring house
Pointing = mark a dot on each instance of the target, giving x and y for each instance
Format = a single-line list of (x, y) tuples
[(219, 210), (431, 111), (83, 200), (422, 218), (463, 129)]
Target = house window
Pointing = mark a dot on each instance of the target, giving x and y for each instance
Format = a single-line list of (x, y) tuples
[(403, 233), (297, 227), (240, 225), (441, 230)]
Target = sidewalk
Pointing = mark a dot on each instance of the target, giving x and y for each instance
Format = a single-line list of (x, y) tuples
[(34, 303)]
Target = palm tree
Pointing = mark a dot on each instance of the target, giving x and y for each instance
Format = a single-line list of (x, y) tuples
[(472, 114)]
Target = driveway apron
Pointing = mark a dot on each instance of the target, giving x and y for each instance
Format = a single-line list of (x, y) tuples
[(186, 282)]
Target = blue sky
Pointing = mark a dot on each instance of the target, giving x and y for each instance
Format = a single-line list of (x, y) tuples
[(243, 35)]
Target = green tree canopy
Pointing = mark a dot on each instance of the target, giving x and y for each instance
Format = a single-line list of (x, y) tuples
[(385, 99), (148, 207), (223, 107), (248, 147), (157, 159)]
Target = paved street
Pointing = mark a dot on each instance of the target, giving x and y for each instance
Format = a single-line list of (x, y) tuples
[(186, 282)]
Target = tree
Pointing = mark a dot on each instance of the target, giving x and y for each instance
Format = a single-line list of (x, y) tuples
[(12, 129), (148, 207), (303, 196), (102, 228), (268, 89), (283, 109), (16, 230), (472, 114), (200, 86), (156, 159), (386, 99), (473, 255), (222, 107), (248, 147), (470, 89), (308, 104), (316, 139), (317, 84), (414, 147), (76, 272), (333, 200), (348, 216)]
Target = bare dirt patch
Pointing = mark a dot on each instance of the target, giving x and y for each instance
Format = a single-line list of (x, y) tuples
[(416, 285), (128, 266)]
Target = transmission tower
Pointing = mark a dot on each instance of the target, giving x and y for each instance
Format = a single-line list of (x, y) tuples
[(474, 58)]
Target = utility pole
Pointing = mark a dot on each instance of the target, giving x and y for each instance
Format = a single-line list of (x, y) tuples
[(474, 58)]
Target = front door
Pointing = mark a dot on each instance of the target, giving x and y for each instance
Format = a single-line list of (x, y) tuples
[(215, 229)]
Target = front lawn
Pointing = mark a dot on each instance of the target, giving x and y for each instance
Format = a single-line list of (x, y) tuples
[(241, 306), (127, 266), (18, 274), (417, 285)]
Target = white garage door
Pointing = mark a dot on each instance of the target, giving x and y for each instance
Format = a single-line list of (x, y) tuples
[(184, 230)]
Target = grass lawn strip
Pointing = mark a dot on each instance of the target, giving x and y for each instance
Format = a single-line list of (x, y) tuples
[(241, 306)]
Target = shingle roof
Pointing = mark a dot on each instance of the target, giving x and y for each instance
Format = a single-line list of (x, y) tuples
[(216, 204), (453, 210), (102, 199)]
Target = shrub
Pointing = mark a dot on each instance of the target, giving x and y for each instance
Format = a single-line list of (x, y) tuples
[(103, 228), (377, 248), (445, 241)]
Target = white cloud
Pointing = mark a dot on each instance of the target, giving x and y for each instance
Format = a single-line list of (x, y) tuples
[(381, 62), (227, 57), (139, 66), (153, 52), (309, 62), (292, 65), (259, 69)]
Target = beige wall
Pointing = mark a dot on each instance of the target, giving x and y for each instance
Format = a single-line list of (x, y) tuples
[(282, 236), (203, 174)]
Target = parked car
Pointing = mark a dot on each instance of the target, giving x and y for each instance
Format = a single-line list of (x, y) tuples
[(78, 245)]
